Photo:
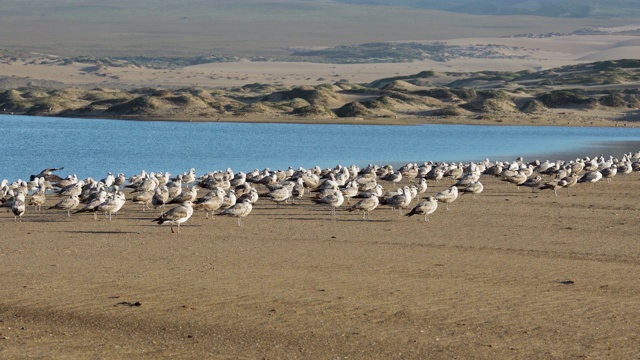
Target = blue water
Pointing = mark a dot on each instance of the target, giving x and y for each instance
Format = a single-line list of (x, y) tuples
[(92, 147)]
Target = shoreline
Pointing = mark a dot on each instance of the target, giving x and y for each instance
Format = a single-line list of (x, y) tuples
[(506, 120)]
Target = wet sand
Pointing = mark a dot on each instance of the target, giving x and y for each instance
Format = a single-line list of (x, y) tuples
[(510, 274)]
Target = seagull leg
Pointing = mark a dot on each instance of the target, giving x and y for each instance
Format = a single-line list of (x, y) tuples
[(173, 232)]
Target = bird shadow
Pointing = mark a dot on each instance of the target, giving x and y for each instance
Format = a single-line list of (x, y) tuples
[(98, 232)]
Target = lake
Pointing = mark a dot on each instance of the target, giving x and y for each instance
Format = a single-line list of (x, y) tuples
[(92, 147)]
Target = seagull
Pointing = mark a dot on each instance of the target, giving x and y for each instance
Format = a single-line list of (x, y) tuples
[(73, 189), (186, 195), (375, 191), (48, 171), (349, 191), (400, 200), (533, 183), (422, 186), (68, 204), (333, 200), (591, 177), (111, 206), (252, 195), (239, 210), (211, 202), (447, 196), (160, 197), (92, 206), (394, 177), (473, 188), (518, 178), (298, 190), (555, 184), (176, 215), (569, 181), (609, 172), (18, 207), (190, 177), (144, 198), (367, 205), (279, 195), (229, 199), (38, 199), (425, 207)]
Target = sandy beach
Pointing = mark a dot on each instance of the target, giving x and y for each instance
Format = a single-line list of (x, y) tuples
[(509, 274)]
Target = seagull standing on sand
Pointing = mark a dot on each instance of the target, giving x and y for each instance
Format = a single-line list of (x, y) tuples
[(176, 215), (186, 195), (252, 196), (533, 183), (425, 207), (367, 205), (144, 198), (160, 197), (18, 207), (447, 196), (591, 177), (350, 191), (91, 206), (473, 188), (38, 199), (334, 200), (111, 206), (68, 204), (239, 210), (400, 200), (211, 202), (298, 190), (609, 172), (190, 177), (394, 177), (279, 195), (422, 186)]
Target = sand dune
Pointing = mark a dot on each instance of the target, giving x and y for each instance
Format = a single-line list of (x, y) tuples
[(621, 52), (535, 53)]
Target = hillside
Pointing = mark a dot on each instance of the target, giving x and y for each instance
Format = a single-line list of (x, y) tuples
[(578, 93), (251, 28)]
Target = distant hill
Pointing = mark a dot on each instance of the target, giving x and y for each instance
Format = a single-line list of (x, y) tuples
[(607, 86), (549, 8), (145, 29)]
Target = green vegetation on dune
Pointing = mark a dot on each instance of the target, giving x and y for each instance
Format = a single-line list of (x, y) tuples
[(385, 98)]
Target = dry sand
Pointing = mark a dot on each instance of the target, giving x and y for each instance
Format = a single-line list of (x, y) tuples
[(511, 274), (538, 53)]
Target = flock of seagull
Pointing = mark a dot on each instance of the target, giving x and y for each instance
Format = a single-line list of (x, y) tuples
[(235, 194)]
